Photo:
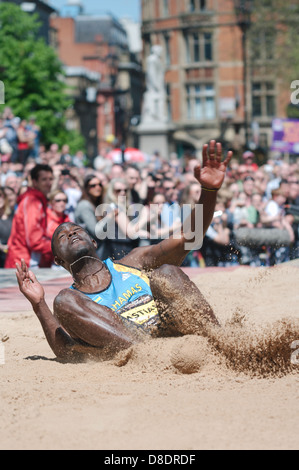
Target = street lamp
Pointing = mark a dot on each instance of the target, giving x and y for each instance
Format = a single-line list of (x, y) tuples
[(243, 11)]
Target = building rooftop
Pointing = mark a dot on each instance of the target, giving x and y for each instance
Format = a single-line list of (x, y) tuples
[(88, 27)]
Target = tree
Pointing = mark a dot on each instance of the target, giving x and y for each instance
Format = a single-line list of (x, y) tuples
[(274, 37), (33, 75)]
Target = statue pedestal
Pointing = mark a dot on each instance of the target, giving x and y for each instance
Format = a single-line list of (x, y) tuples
[(154, 137)]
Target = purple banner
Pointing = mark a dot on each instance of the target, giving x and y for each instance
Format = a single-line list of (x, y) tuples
[(285, 135)]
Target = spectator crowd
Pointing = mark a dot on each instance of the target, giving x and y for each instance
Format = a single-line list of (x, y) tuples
[(40, 188)]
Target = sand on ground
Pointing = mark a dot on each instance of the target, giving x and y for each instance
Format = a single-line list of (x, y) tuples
[(238, 389)]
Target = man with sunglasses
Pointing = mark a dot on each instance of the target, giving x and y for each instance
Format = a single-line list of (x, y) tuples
[(112, 305)]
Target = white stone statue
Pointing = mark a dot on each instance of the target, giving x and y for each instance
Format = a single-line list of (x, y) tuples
[(154, 104)]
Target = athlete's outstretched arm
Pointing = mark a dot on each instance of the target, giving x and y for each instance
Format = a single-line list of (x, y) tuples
[(174, 250), (75, 318), (59, 341)]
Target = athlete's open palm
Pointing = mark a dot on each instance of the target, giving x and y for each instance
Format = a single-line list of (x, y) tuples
[(28, 284), (212, 171)]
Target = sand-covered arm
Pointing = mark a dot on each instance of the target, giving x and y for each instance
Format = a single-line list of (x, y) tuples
[(76, 320), (59, 341)]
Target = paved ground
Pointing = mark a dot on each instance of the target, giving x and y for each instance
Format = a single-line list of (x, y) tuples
[(11, 300)]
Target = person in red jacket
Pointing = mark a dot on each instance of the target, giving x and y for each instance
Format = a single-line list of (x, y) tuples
[(56, 211), (28, 239)]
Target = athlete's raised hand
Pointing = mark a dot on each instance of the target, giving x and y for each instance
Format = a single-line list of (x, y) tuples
[(28, 284), (212, 171)]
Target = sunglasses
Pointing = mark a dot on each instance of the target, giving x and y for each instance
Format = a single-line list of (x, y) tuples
[(60, 200), (92, 186), (120, 190)]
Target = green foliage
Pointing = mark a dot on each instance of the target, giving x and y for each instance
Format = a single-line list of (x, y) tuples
[(292, 111), (279, 19), (74, 140), (33, 76)]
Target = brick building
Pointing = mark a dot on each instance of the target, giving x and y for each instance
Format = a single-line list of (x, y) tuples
[(99, 44), (205, 80)]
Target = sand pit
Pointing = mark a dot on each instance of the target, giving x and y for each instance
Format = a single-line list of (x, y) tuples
[(235, 389)]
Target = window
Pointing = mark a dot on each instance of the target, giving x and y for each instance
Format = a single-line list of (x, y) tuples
[(199, 47), (165, 7), (167, 50), (263, 99), (197, 5), (192, 4), (147, 10), (263, 45), (196, 48), (208, 50), (201, 102)]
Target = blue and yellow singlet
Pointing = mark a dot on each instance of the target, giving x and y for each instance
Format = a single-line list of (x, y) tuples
[(128, 294)]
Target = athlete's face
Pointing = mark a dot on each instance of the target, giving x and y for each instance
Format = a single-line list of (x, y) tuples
[(71, 243)]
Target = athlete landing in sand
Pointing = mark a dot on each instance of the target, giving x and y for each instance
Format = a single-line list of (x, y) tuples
[(112, 304)]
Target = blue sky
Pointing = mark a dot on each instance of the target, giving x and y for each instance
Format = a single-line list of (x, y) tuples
[(119, 8)]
